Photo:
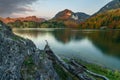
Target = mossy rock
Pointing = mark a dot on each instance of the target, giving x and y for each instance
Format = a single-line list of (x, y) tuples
[(28, 69), (64, 75)]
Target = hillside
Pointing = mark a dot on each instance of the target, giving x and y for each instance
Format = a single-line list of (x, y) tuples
[(109, 19), (70, 18), (114, 4)]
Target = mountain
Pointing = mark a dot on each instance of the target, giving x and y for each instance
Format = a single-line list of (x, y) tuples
[(114, 4), (109, 19), (63, 15), (70, 15), (69, 18), (29, 18)]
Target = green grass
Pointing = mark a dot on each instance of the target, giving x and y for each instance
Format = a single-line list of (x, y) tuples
[(110, 74)]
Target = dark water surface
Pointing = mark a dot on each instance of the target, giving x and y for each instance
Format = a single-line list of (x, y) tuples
[(99, 47)]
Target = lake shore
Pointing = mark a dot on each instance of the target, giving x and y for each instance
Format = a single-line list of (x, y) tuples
[(110, 74)]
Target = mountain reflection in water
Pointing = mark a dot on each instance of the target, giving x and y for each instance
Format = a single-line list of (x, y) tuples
[(99, 47)]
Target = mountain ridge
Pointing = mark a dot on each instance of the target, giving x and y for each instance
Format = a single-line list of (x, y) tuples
[(28, 18), (114, 4)]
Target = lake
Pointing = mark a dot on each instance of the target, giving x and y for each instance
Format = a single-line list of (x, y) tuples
[(94, 46)]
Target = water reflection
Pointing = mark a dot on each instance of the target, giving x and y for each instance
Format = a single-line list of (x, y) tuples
[(100, 47)]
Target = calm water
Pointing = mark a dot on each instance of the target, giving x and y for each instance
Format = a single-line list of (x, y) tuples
[(99, 47)]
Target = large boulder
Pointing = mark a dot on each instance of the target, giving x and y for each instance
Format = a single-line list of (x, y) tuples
[(18, 55)]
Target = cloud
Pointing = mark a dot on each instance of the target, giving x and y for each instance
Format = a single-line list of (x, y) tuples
[(8, 7)]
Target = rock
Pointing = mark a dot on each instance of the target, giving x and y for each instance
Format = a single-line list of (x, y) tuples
[(14, 51)]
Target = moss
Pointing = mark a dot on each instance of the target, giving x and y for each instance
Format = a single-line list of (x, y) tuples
[(66, 60), (43, 54), (28, 65), (64, 75), (16, 37), (28, 61), (28, 69)]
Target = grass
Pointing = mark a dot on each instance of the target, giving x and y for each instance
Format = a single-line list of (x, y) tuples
[(65, 75), (110, 74)]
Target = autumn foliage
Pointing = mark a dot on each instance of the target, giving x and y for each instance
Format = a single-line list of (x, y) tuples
[(109, 19)]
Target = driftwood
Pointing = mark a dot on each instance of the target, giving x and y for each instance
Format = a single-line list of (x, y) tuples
[(75, 68)]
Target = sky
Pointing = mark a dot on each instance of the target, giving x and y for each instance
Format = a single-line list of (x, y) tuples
[(47, 8)]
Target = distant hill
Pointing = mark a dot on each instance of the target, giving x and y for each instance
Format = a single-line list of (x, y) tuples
[(70, 15), (69, 18), (109, 19), (114, 4), (29, 18)]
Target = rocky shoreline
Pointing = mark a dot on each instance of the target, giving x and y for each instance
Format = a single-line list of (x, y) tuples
[(73, 67), (14, 53)]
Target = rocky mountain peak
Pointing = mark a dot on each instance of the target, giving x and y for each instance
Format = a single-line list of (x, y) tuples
[(70, 15), (65, 14)]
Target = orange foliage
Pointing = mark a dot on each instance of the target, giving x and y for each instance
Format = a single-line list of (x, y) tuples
[(109, 19)]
